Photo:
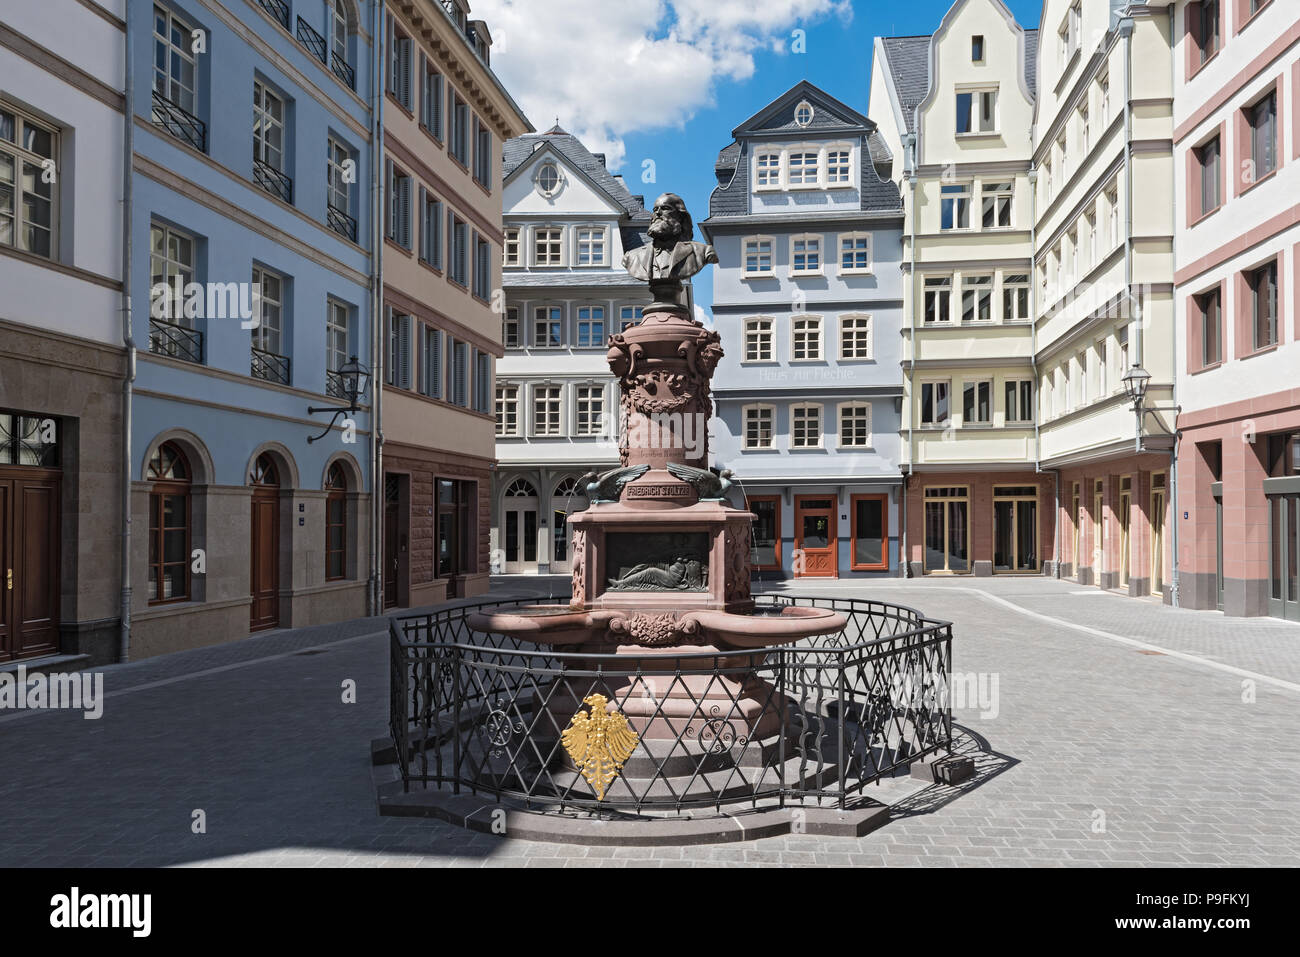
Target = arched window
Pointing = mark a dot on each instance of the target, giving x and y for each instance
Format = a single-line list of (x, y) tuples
[(264, 472), (169, 476), (336, 21), (521, 488), (569, 487), (336, 523)]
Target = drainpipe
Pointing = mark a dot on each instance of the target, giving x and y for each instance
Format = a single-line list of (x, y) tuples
[(1033, 366), (909, 147), (128, 342), (1174, 579), (375, 585)]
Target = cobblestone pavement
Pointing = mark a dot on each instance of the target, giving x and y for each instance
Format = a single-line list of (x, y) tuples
[(1122, 732)]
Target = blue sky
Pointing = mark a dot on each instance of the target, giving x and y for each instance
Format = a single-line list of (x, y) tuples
[(668, 80)]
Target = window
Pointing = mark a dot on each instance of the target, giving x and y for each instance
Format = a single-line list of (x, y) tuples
[(1063, 151), (855, 425), (977, 403), (398, 371), (510, 249), (977, 49), (336, 523), (430, 362), (805, 255), (996, 201), (268, 142), (767, 531), (1262, 121), (1209, 172), (955, 206), (1103, 364), (399, 206), (977, 112), (1121, 338), (268, 308), (768, 170), (870, 530), (174, 76), (27, 202), (482, 381), (628, 316), (507, 409), (758, 340), (459, 145), (459, 384), (805, 426), (591, 327), (806, 342), (546, 410), (1090, 226), (482, 154), (431, 96), (802, 168), (458, 233), (548, 246), (938, 298), (1018, 395), (1262, 300), (1116, 216), (548, 178), (838, 170), (1069, 33), (430, 229), (1203, 19), (1085, 130), (399, 68), (1209, 306), (976, 298), (803, 113), (855, 252), (510, 329), (337, 345), (758, 256), (1103, 99), (1080, 375), (1015, 297), (169, 476), (339, 168), (546, 327), (591, 409), (171, 269), (758, 426), (855, 337), (591, 245), (482, 267), (934, 403)]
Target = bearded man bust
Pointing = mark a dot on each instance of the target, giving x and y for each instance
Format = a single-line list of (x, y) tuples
[(671, 256)]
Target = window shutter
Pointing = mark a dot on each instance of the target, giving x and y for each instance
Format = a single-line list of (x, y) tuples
[(389, 224), (405, 201), (424, 89), (435, 220), (404, 351), (406, 72), (423, 212), (434, 361)]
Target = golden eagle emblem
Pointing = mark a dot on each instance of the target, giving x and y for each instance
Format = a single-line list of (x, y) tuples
[(599, 742)]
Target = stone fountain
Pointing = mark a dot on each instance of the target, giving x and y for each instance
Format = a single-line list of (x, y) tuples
[(661, 559)]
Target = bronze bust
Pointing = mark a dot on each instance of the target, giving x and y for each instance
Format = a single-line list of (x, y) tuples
[(671, 255)]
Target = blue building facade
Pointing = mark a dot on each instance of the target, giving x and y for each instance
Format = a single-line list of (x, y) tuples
[(251, 284), (808, 299)]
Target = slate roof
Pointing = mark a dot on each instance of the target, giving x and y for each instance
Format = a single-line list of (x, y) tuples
[(517, 151), (908, 62)]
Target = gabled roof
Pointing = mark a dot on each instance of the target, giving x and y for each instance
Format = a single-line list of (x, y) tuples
[(518, 151), (829, 114)]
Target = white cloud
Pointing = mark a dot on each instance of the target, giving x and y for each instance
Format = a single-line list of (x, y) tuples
[(606, 69)]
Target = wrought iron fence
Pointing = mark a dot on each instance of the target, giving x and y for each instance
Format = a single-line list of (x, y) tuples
[(272, 180), (341, 222), (343, 70), (269, 366), (334, 387), (312, 40), (815, 721), (180, 123), (278, 9), (179, 342)]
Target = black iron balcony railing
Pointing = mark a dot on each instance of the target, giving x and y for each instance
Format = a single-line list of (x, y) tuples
[(312, 40), (343, 70), (272, 180), (179, 342), (334, 385), (269, 366), (341, 222), (278, 9), (180, 123)]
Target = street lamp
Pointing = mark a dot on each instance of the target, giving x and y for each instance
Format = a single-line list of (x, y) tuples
[(1135, 383), (352, 378)]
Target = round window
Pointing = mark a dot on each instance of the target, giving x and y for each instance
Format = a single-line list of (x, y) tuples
[(803, 113), (548, 177)]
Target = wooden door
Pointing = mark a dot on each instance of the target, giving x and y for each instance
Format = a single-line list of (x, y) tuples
[(815, 537), (391, 557), (265, 562), (29, 566), (6, 570)]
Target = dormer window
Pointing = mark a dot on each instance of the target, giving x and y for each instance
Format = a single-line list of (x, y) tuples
[(548, 179), (803, 114)]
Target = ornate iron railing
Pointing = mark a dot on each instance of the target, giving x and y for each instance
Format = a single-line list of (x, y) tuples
[(170, 116), (312, 40), (179, 342), (272, 180), (278, 9), (334, 385), (343, 70), (815, 721), (341, 222), (269, 366)]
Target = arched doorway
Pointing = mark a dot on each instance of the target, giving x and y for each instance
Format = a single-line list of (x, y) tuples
[(519, 519), (264, 561), (568, 498)]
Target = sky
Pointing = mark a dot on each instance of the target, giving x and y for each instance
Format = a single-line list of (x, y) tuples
[(658, 85)]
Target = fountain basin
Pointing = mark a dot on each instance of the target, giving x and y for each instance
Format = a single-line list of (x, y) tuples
[(779, 625), (542, 624)]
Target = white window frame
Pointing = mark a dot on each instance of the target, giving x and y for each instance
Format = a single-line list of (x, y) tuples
[(846, 408), (594, 396), (948, 193), (15, 218), (765, 335), (268, 306), (557, 416), (812, 245), (758, 409), (805, 408), (188, 100), (808, 338), (757, 241), (590, 318), (987, 383), (628, 316), (943, 286), (1026, 410), (265, 120), (860, 321), (338, 329), (510, 246), (775, 173), (558, 322), (1010, 290), (977, 287), (936, 424), (597, 238), (507, 396), (974, 119), (173, 268), (852, 239), (1003, 200), (788, 167), (555, 243), (847, 150), (559, 178)]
